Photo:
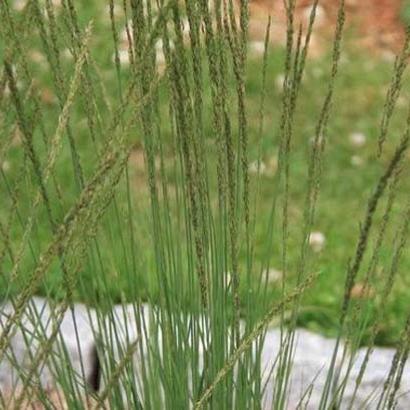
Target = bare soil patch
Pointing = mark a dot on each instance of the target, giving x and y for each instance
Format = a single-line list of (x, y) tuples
[(377, 23)]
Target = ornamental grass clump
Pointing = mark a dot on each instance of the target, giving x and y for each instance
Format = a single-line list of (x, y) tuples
[(196, 236)]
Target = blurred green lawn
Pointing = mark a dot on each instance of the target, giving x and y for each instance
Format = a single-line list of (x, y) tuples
[(350, 173)]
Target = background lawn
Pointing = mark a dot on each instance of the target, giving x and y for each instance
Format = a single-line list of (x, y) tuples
[(123, 252)]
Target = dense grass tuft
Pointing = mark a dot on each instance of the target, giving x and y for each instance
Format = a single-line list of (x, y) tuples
[(146, 155)]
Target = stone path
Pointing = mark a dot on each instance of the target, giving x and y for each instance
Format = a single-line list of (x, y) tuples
[(312, 355)]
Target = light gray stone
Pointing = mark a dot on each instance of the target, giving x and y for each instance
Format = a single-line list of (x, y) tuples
[(311, 361), (117, 335), (28, 338), (118, 338), (122, 332), (312, 357)]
